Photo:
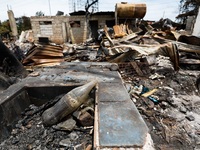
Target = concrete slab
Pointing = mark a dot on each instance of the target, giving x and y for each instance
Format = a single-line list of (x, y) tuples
[(96, 65), (121, 125), (84, 75), (113, 92), (79, 72)]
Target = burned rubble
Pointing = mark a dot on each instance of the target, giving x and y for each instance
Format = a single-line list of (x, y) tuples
[(160, 70), (29, 132)]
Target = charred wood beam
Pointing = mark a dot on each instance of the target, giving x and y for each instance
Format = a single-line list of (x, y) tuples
[(9, 63), (189, 13), (181, 46)]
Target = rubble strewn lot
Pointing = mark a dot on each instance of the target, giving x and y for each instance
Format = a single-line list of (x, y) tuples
[(173, 120), (29, 132), (160, 71)]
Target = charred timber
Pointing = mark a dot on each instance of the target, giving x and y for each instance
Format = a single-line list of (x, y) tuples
[(9, 63)]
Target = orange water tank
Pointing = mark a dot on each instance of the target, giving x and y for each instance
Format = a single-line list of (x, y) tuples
[(125, 10)]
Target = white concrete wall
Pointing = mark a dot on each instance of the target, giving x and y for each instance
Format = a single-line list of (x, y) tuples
[(196, 29)]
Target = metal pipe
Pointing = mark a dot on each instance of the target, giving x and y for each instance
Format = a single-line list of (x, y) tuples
[(49, 7)]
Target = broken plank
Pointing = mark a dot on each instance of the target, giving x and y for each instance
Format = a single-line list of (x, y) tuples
[(49, 53), (181, 46), (41, 61), (108, 37), (33, 47), (125, 38), (51, 46), (31, 54), (136, 67), (118, 30), (47, 64), (147, 94), (190, 61), (50, 49), (46, 57)]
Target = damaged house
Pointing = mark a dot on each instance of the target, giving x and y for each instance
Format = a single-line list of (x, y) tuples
[(73, 28)]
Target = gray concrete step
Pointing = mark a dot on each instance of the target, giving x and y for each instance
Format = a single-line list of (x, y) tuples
[(118, 124)]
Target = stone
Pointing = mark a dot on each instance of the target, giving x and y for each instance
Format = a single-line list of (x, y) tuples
[(38, 147), (151, 59), (37, 142), (73, 136), (65, 142), (15, 141), (86, 119), (156, 76), (45, 148), (67, 125), (2, 143), (114, 67), (14, 131), (30, 146), (19, 126), (164, 104), (28, 126), (80, 146), (44, 133), (190, 117), (183, 109)]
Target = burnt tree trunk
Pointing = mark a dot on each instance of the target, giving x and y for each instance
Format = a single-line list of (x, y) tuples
[(10, 64), (87, 15)]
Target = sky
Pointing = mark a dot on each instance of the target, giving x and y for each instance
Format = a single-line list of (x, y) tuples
[(156, 9)]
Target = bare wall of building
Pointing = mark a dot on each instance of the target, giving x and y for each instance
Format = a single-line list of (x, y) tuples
[(74, 29), (196, 29), (49, 26)]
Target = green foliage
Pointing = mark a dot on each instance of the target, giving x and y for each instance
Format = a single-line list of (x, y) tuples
[(39, 13), (5, 28), (23, 23), (188, 8), (189, 5)]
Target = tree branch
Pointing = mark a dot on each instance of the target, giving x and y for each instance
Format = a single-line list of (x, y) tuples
[(87, 6)]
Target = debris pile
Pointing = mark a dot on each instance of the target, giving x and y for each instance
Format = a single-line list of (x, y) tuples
[(44, 55), (122, 44), (169, 104), (160, 66), (72, 129), (170, 112)]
